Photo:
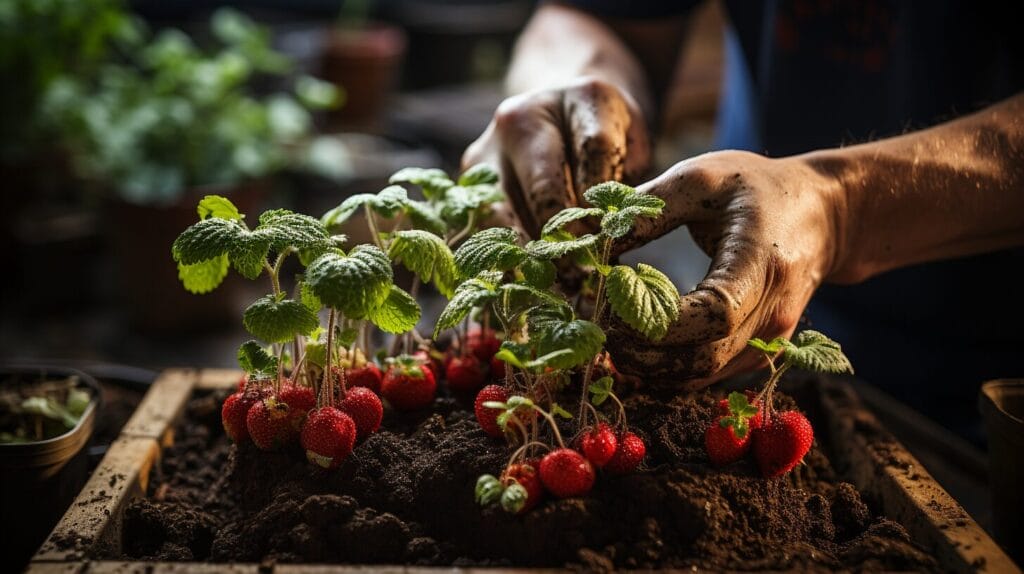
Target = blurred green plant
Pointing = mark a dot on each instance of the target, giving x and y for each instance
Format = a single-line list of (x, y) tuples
[(172, 116), (41, 40)]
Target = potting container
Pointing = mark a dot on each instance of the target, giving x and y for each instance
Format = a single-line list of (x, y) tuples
[(887, 475), (364, 62), (1002, 407), (38, 480)]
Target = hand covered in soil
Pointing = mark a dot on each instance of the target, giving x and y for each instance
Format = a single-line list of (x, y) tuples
[(770, 227), (553, 144)]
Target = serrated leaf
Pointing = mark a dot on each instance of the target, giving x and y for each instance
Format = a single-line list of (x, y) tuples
[(471, 293), (355, 283), (397, 314), (204, 276), (771, 348), (390, 200), (346, 337), (645, 299), (308, 297), (346, 209), (540, 273), (218, 206), (618, 223), (283, 228), (600, 390), (459, 201), (493, 248), (433, 181), (583, 338), (813, 351), (424, 216), (249, 255), (566, 216), (537, 296), (426, 255), (253, 358), (610, 194), (554, 249), (543, 317), (206, 240), (478, 174), (278, 321)]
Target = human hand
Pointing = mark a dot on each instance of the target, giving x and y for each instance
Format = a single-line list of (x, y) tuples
[(550, 145), (772, 228)]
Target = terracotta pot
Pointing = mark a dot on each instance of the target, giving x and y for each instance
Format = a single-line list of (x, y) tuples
[(140, 242), (365, 62), (1002, 408)]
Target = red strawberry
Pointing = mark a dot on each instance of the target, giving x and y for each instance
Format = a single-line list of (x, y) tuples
[(465, 374), (498, 372), (565, 473), (630, 452), (365, 408), (488, 417), (782, 442), (328, 437), (525, 473), (728, 438), (242, 382), (300, 401), (408, 385), (269, 423), (599, 444), (435, 365), (232, 414), (483, 344), (368, 375)]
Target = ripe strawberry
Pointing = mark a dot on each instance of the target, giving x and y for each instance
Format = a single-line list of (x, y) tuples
[(369, 375), (328, 437), (728, 438), (270, 424), (408, 385), (782, 442), (365, 408), (242, 382), (525, 473), (300, 401), (483, 344), (465, 374), (232, 414), (488, 417), (435, 365), (565, 473), (630, 452), (599, 444), (498, 369)]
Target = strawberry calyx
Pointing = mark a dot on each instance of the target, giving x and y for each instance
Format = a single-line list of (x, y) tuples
[(408, 365), (739, 415)]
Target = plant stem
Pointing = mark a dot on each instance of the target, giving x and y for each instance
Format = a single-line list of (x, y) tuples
[(553, 423), (471, 223), (521, 450), (596, 319), (371, 222), (328, 381), (275, 285)]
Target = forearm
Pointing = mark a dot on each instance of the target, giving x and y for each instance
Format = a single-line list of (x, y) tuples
[(952, 190), (562, 43)]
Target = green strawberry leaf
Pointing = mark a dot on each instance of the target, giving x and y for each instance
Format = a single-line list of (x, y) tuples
[(566, 216), (493, 248), (459, 201), (204, 276), (205, 240), (397, 314), (600, 390), (276, 320), (770, 347), (433, 181), (249, 254), (284, 228), (426, 255), (813, 351), (355, 283), (583, 338), (424, 216), (346, 337), (549, 248), (253, 358), (617, 223), (471, 293), (346, 209), (480, 173), (540, 273), (390, 201), (544, 317), (308, 297), (218, 206), (608, 195), (645, 299)]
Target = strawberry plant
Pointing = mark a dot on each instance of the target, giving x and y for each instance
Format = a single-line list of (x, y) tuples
[(779, 440)]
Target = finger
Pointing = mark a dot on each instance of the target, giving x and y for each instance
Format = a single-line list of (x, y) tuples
[(748, 359), (598, 121), (534, 164)]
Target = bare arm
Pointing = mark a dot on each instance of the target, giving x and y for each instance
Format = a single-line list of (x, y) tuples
[(777, 228)]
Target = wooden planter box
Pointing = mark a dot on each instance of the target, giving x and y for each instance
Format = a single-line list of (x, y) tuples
[(880, 467)]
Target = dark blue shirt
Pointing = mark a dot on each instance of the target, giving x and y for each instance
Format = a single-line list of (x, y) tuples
[(809, 74)]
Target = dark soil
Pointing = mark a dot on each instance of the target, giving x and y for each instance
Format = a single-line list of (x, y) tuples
[(406, 496)]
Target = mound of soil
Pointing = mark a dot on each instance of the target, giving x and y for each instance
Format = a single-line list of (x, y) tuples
[(406, 496)]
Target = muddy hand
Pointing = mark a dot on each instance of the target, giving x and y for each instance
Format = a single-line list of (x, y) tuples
[(551, 145), (771, 229)]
